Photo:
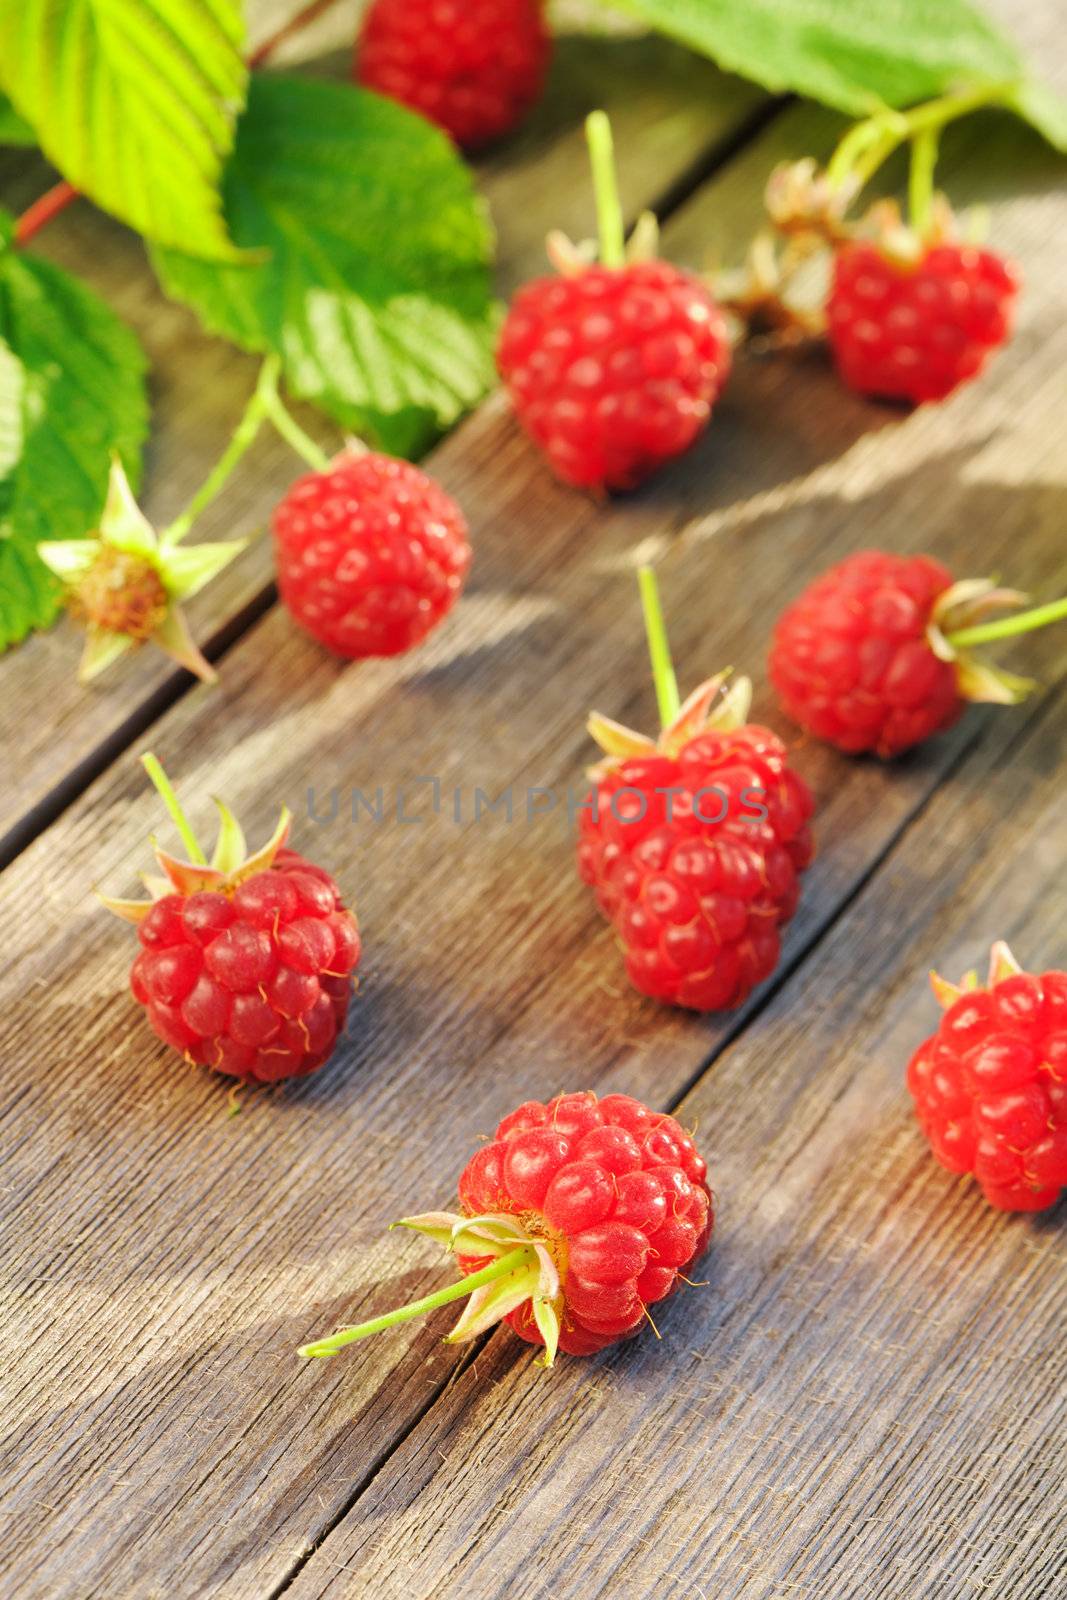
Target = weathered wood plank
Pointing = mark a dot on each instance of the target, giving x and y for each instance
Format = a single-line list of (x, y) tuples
[(154, 1403), (671, 111), (866, 1396)]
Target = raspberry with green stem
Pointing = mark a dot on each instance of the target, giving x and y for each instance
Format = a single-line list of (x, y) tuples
[(576, 1217), (878, 653), (911, 313), (612, 366), (694, 841), (246, 960)]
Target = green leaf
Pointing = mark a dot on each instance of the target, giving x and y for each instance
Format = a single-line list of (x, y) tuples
[(376, 291), (13, 130), (857, 55), (135, 103), (71, 391)]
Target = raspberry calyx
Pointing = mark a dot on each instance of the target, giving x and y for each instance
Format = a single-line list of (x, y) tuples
[(127, 583), (523, 1268), (230, 864)]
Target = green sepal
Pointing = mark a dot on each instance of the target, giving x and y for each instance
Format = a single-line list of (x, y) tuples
[(69, 559), (123, 523), (187, 568), (230, 847), (174, 637), (102, 647), (489, 1305), (548, 1316)]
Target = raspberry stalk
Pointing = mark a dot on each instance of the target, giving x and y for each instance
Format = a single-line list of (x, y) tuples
[(265, 405), (921, 180), (165, 789), (869, 144), (1008, 627), (663, 676), (520, 1260), (606, 190), (291, 431), (40, 213), (244, 435)]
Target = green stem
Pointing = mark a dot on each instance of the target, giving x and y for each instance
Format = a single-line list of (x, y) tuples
[(659, 650), (292, 432), (418, 1308), (870, 143), (858, 142), (255, 414), (921, 180), (606, 189), (1008, 627), (166, 792)]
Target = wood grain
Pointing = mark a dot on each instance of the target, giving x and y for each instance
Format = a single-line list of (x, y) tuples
[(163, 1260), (671, 111)]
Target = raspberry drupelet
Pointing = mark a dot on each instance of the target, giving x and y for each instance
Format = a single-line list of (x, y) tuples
[(695, 842), (245, 964), (874, 655), (613, 367), (576, 1217), (371, 554), (475, 67), (990, 1086)]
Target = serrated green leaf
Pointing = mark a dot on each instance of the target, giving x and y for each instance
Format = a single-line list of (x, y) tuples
[(856, 56), (135, 103), (13, 130), (71, 391), (376, 292)]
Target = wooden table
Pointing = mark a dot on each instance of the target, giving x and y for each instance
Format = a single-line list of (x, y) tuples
[(866, 1397)]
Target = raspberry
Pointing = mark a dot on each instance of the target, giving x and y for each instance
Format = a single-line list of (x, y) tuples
[(871, 656), (917, 330), (694, 852), (578, 1215), (475, 67), (613, 368), (990, 1086), (694, 844), (246, 965), (613, 372), (371, 554)]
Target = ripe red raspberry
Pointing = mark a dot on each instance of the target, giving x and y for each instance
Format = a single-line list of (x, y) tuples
[(694, 846), (245, 965), (990, 1086), (475, 67), (867, 656), (916, 330), (613, 368), (371, 554), (614, 371), (576, 1217)]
